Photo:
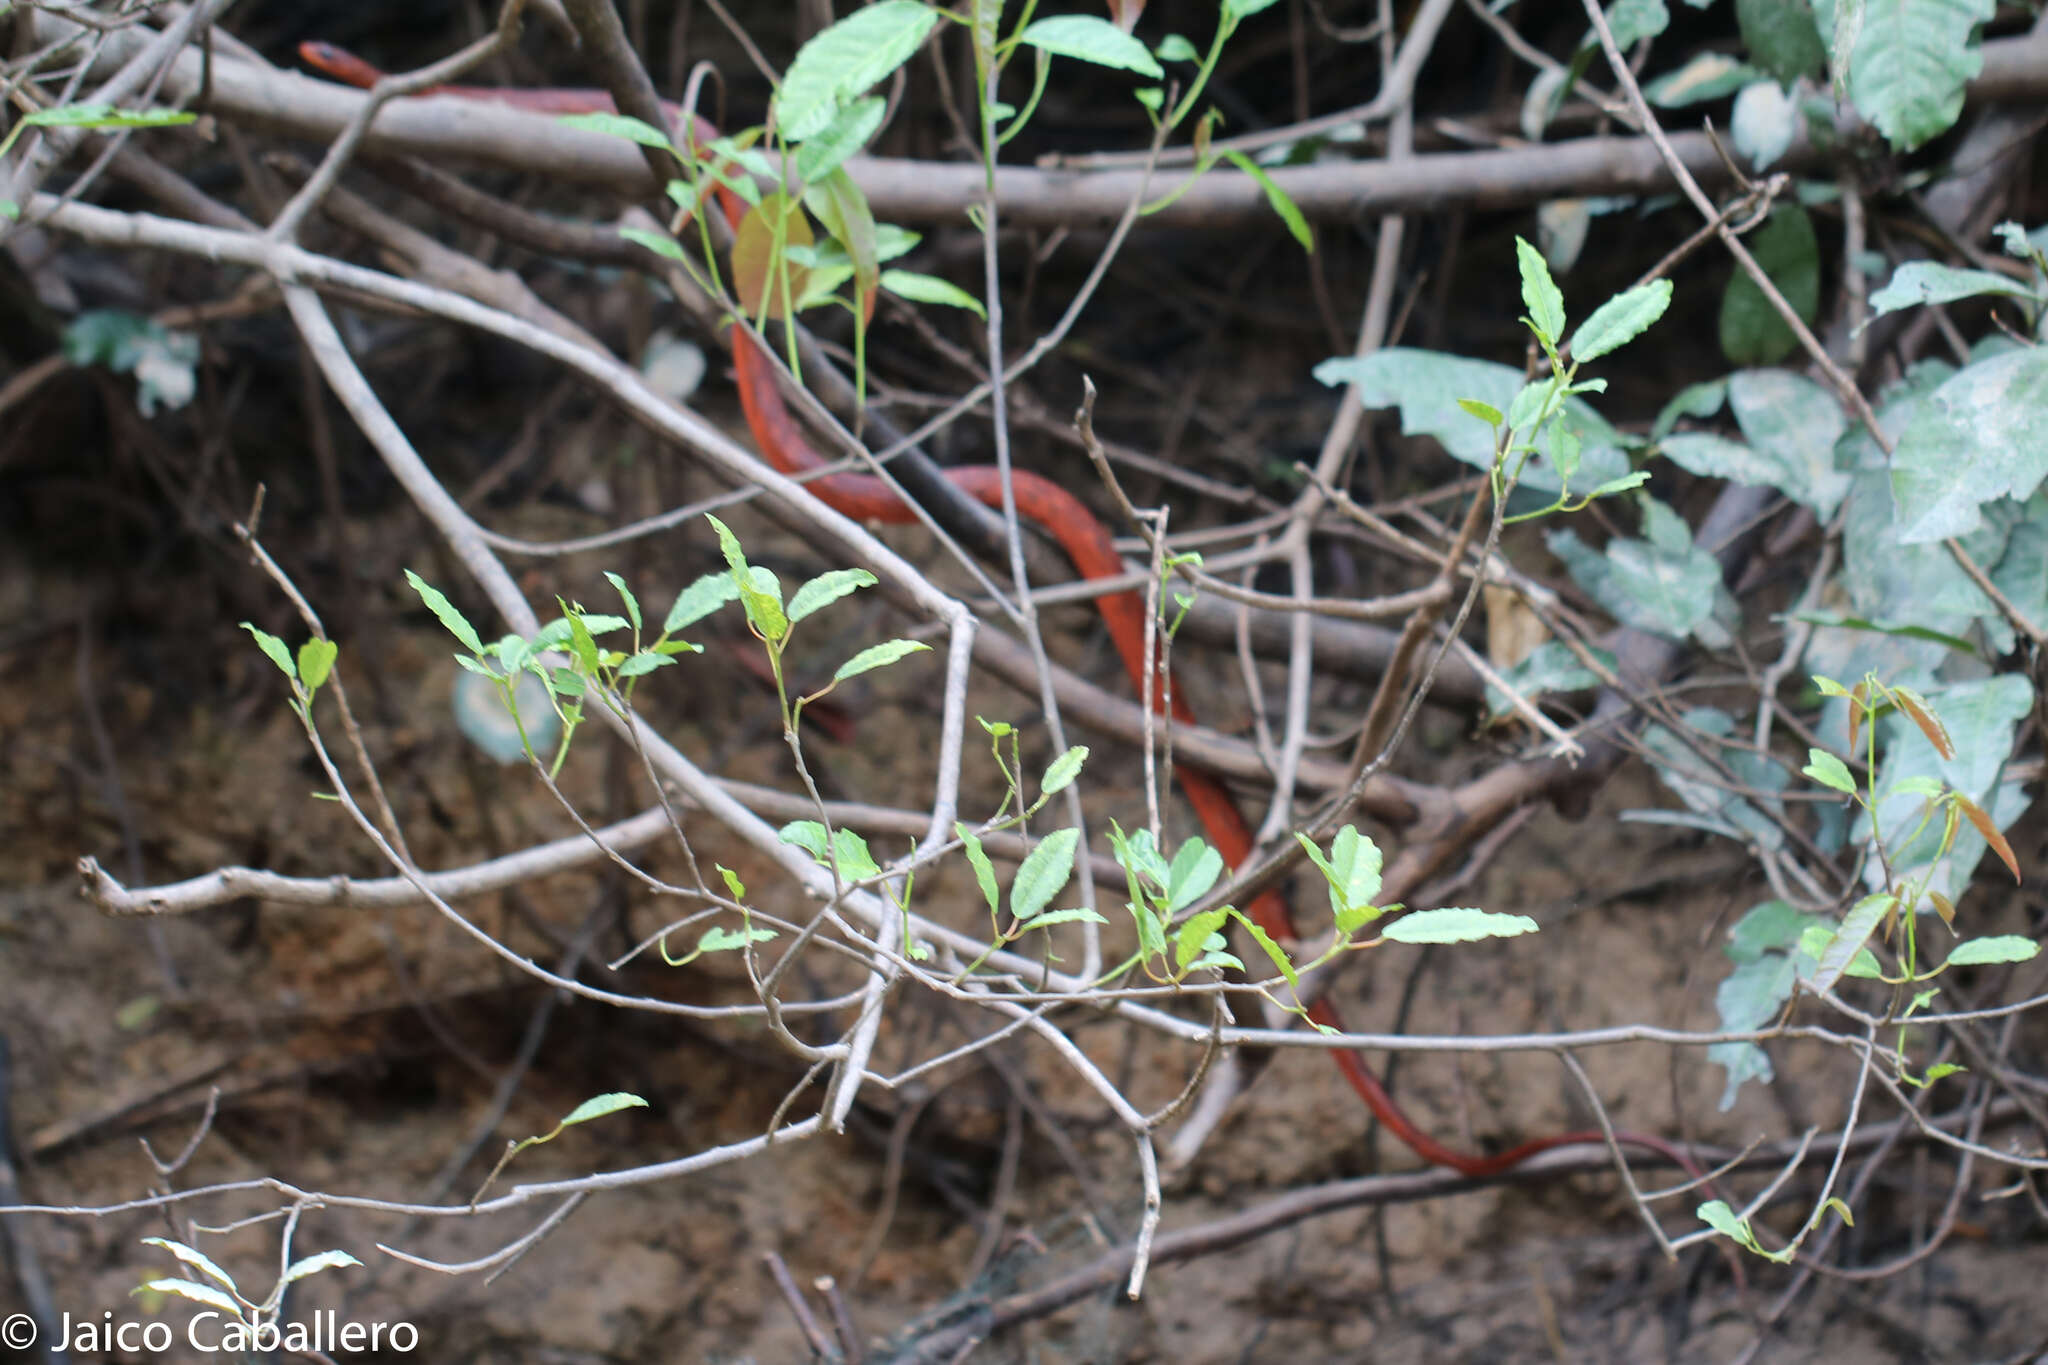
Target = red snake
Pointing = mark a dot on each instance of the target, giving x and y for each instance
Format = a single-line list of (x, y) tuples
[(1087, 544)]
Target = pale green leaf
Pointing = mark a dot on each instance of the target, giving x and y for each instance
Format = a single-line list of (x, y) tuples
[(845, 60), (457, 624), (877, 656), (1972, 952), (1540, 294), (1044, 872), (826, 589), (1091, 39), (1621, 320), (1456, 926)]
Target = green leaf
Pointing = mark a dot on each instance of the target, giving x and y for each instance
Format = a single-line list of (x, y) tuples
[(1044, 871), (1930, 282), (848, 132), (844, 210), (1352, 870), (1193, 938), (1634, 20), (1724, 1220), (1275, 954), (761, 597), (626, 596), (105, 116), (1980, 435), (1781, 37), (826, 589), (1540, 294), (1911, 63), (646, 661), (274, 648), (456, 623), (1276, 197), (1193, 872), (856, 863), (1078, 915), (719, 939), (1430, 389), (1974, 952), (984, 871), (699, 600), (1061, 772), (1794, 424), (877, 656), (1456, 926), (845, 60), (1824, 768), (1785, 246), (1621, 320), (1485, 412), (660, 243), (316, 661), (1856, 929), (1550, 667), (1671, 592), (597, 1106), (908, 284), (733, 884), (1092, 40), (1175, 48), (618, 125), (1863, 965)]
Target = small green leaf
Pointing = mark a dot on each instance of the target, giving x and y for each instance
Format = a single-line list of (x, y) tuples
[(646, 661), (1824, 768), (1540, 294), (618, 125), (1856, 929), (1973, 952), (198, 1293), (1716, 1214), (1174, 48), (456, 623), (1620, 320), (826, 589), (1192, 939), (660, 243), (719, 939), (1061, 772), (1275, 954), (877, 656), (733, 884), (1940, 1069), (699, 600), (197, 1259), (984, 871), (1485, 412), (908, 284), (105, 116), (1044, 871), (1047, 920), (597, 1106), (1193, 871), (1276, 197), (274, 648), (626, 596), (1456, 926), (1091, 40)]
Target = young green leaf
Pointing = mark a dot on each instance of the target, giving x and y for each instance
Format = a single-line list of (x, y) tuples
[(456, 623), (1051, 917), (1975, 952), (198, 1293), (1276, 197), (1540, 294), (198, 1260), (1456, 926), (1824, 768), (1091, 40), (733, 884), (719, 939), (1061, 772), (849, 131), (984, 871), (1192, 940), (1485, 412), (845, 60), (275, 650), (699, 600), (1044, 871), (626, 596), (1275, 954), (316, 661), (598, 1106), (908, 284), (1193, 871), (105, 116), (618, 125), (1620, 320), (646, 661), (1856, 929), (1716, 1214), (826, 589), (660, 243), (877, 656)]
